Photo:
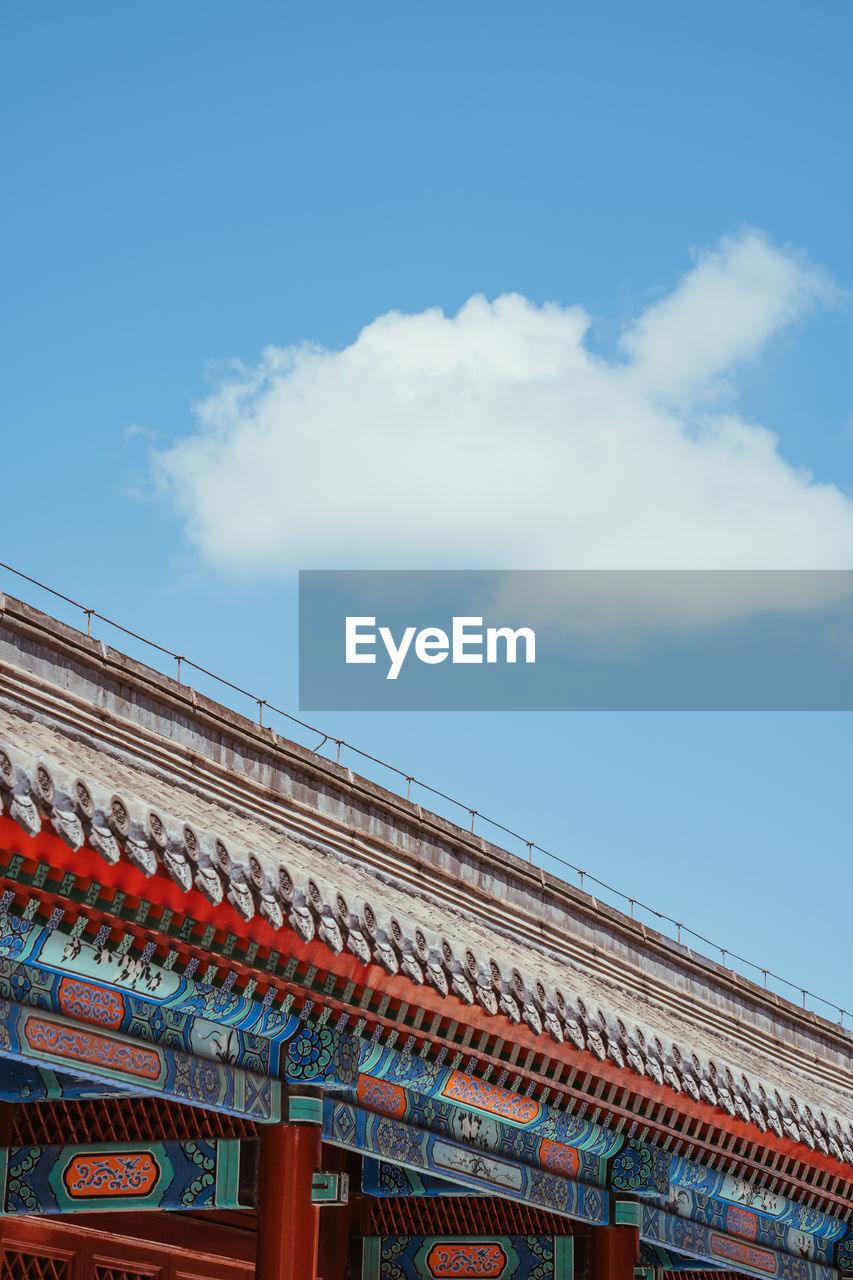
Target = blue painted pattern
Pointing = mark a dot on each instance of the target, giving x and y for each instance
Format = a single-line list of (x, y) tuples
[(385, 1138), (159, 1175)]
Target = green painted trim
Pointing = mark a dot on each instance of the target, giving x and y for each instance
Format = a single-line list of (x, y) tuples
[(304, 1110), (564, 1258), (330, 1188), (628, 1213), (276, 1098), (227, 1190), (370, 1258), (51, 1083)]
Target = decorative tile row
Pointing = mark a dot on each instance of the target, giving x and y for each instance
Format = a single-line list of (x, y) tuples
[(35, 791)]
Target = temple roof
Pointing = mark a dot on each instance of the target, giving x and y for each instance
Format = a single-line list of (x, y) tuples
[(108, 753)]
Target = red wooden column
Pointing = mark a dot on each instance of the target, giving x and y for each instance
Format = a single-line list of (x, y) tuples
[(615, 1251), (288, 1223), (336, 1225)]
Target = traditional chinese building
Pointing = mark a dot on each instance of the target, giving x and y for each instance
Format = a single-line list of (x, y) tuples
[(259, 1014)]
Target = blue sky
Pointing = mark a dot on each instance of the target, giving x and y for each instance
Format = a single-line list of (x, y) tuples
[(188, 186)]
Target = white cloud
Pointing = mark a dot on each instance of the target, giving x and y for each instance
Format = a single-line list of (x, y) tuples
[(495, 438)]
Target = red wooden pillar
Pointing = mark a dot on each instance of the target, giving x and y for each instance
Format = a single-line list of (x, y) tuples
[(336, 1225), (7, 1124), (615, 1251), (288, 1223)]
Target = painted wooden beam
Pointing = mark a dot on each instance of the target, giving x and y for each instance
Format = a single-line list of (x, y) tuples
[(494, 1257), (727, 1252), (22, 1082), (381, 1136), (153, 1175), (49, 1040)]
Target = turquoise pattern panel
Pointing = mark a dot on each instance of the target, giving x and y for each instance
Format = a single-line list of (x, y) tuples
[(401, 1143), (159, 1175)]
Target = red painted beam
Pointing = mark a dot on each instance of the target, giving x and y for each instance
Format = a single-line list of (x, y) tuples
[(229, 1235)]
